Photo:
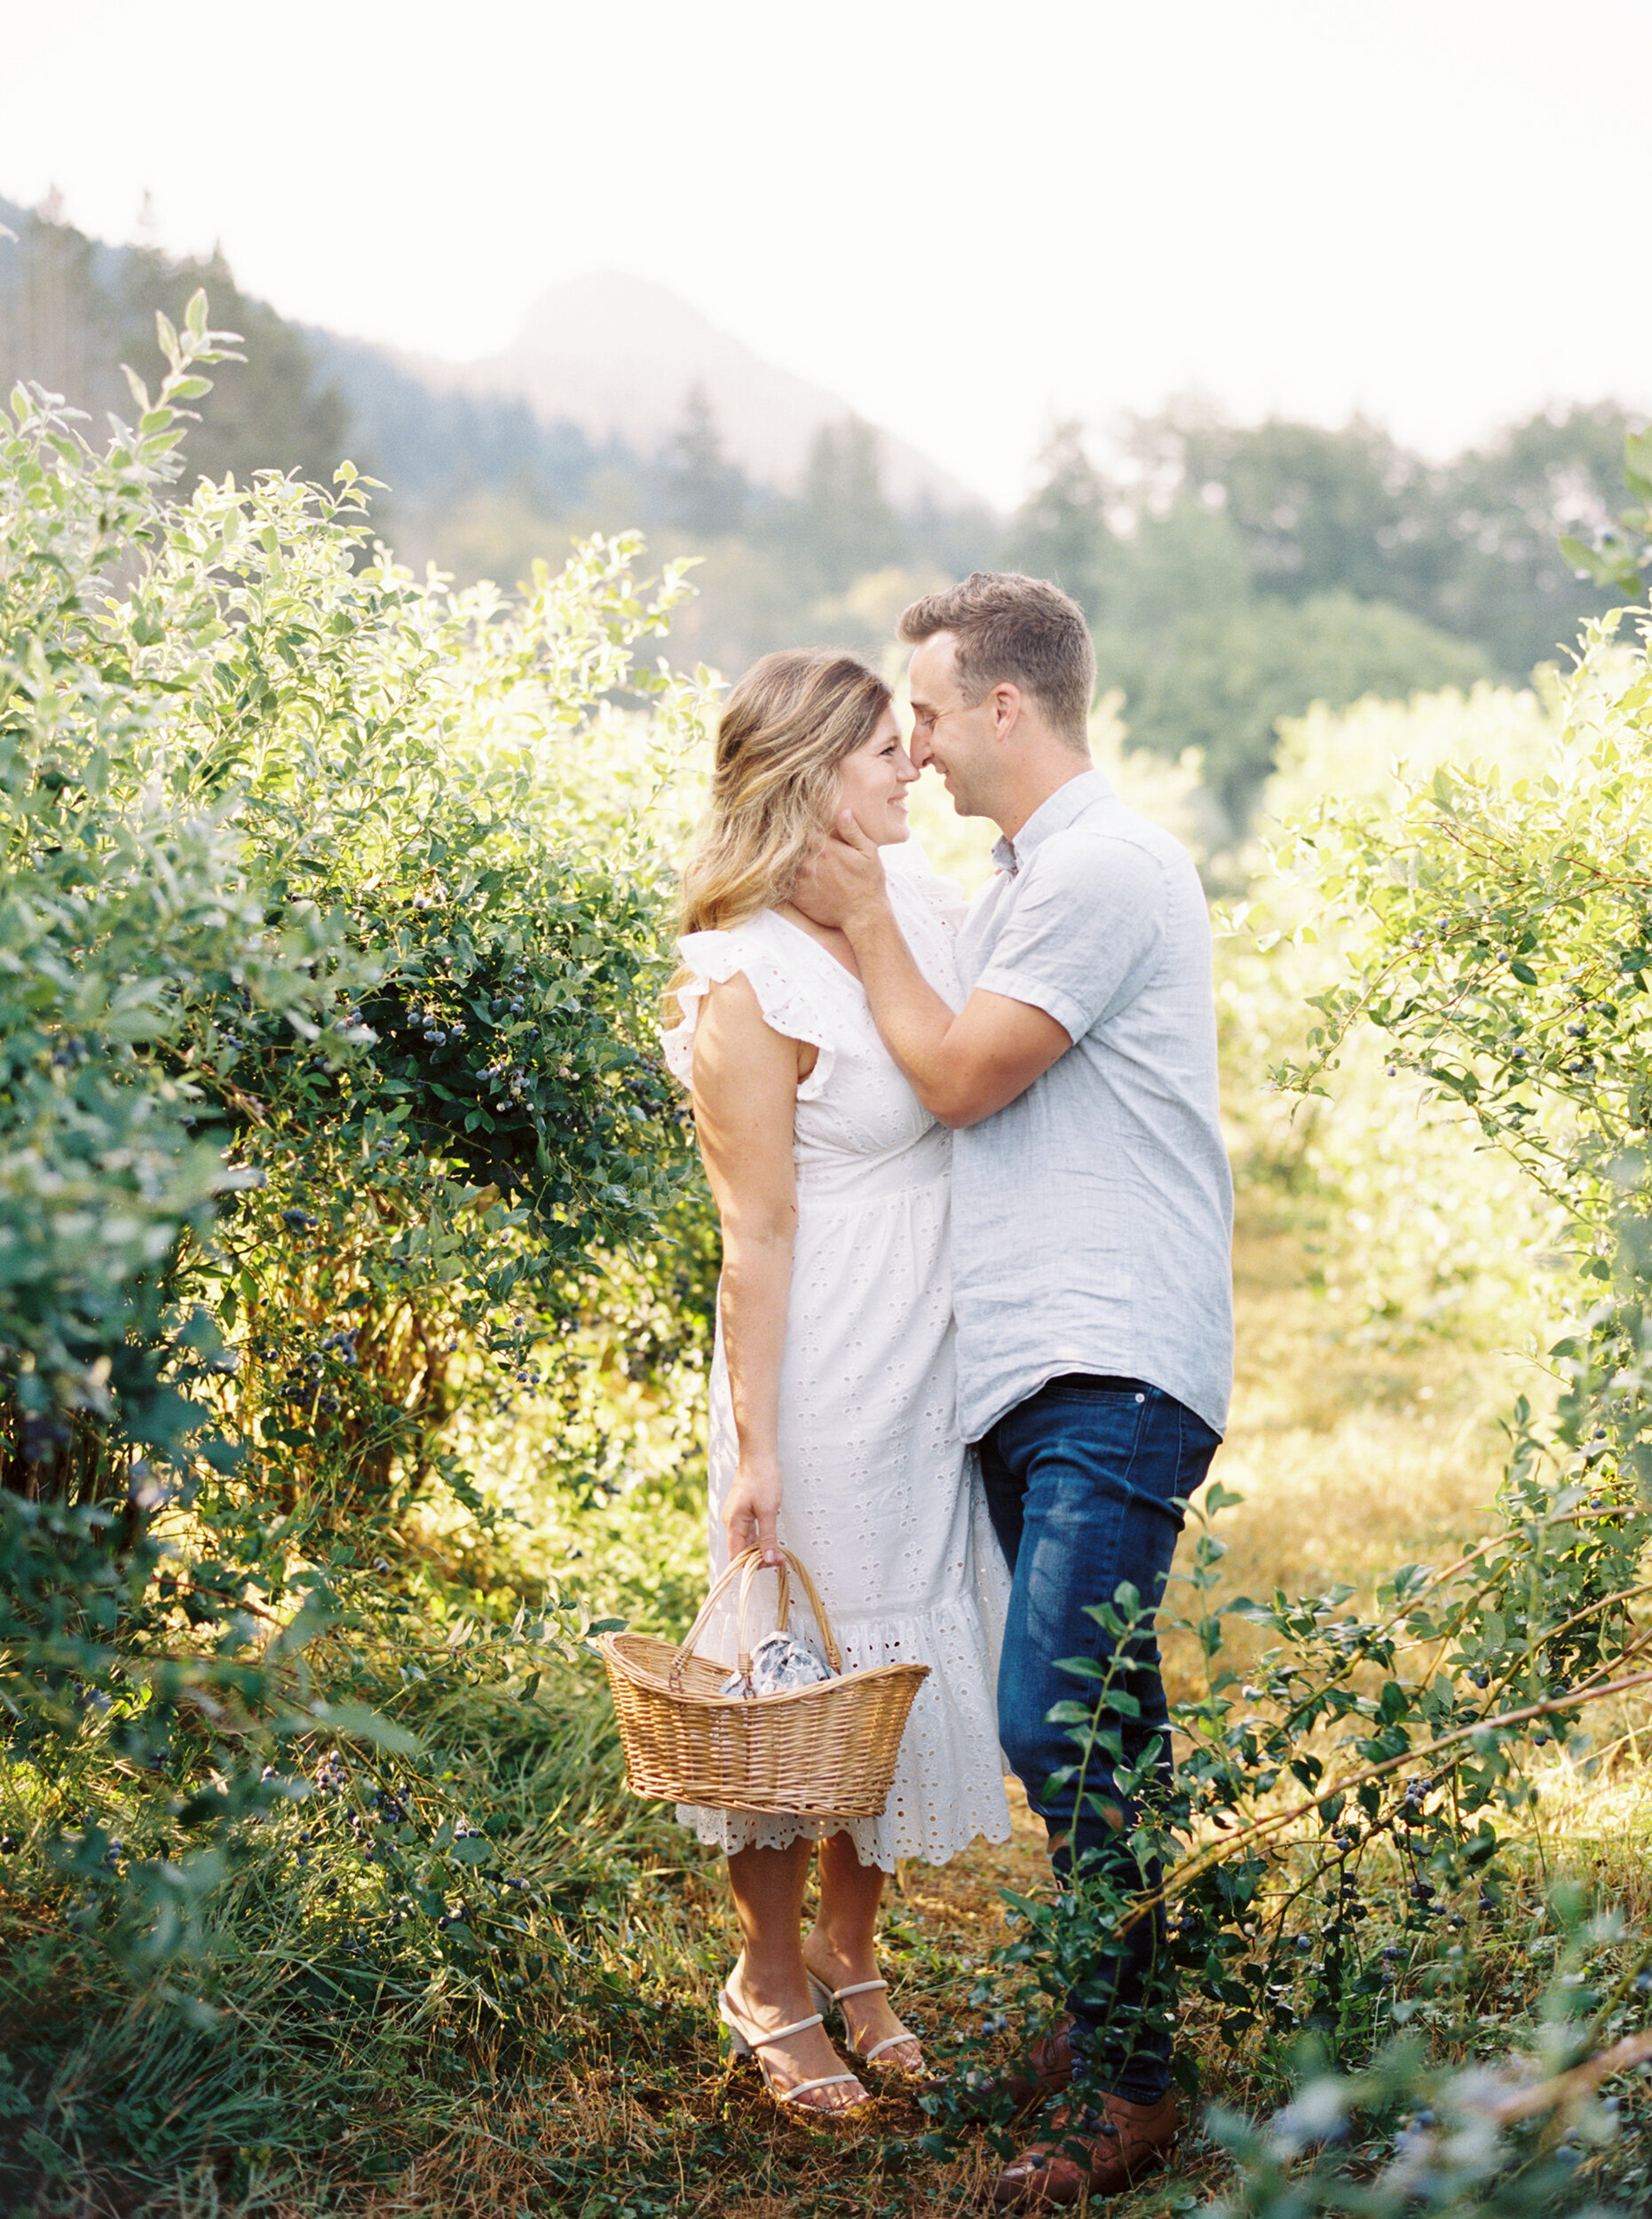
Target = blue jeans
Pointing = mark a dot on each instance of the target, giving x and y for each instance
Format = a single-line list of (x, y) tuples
[(1088, 1483)]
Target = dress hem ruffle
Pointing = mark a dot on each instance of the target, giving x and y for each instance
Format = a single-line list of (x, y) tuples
[(819, 1828)]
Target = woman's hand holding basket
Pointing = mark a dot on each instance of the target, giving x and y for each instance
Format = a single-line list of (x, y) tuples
[(751, 1509)]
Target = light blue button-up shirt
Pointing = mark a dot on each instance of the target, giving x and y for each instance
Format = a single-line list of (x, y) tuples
[(1093, 1218)]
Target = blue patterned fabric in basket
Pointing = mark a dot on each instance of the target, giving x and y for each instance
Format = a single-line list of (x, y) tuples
[(778, 1664)]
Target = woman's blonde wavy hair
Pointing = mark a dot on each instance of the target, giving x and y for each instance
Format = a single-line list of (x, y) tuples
[(784, 731)]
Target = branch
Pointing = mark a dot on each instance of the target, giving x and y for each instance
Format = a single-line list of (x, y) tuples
[(1216, 1852), (1566, 2088)]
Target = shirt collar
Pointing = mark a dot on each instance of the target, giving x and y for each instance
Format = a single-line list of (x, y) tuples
[(1061, 809)]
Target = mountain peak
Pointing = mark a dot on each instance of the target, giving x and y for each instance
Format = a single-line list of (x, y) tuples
[(612, 300), (619, 356)]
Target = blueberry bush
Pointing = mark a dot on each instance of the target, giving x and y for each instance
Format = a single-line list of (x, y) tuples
[(329, 1077)]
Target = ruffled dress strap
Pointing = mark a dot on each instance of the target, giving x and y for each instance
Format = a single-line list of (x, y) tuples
[(787, 988)]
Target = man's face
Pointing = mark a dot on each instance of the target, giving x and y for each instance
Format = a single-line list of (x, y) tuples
[(947, 730)]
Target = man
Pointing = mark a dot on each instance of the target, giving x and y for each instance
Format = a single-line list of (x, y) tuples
[(1092, 1217)]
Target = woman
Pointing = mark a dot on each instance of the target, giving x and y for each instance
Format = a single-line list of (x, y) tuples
[(832, 1389)]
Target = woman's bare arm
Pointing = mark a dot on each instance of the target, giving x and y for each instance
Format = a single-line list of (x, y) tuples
[(746, 1078)]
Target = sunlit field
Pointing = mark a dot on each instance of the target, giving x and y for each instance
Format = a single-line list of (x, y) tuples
[(1349, 1464), (356, 1282)]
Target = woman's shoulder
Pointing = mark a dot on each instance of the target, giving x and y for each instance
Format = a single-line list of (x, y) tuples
[(761, 942), (713, 955), (765, 951)]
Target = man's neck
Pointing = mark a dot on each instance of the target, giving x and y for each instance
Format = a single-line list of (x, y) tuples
[(1034, 788)]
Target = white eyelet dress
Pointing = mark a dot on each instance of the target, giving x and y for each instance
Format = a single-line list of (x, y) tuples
[(882, 1499)]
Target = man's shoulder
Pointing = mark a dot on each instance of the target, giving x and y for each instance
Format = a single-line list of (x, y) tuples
[(1109, 843)]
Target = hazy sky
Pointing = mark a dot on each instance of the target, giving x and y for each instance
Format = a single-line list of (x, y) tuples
[(966, 220)]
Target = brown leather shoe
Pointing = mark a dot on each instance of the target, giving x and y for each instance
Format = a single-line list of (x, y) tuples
[(1097, 2151), (1044, 2075)]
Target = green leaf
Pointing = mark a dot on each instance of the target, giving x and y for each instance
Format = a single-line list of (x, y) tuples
[(314, 1615), (360, 1723)]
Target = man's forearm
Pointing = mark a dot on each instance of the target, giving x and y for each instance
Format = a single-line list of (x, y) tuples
[(910, 1014), (962, 1067)]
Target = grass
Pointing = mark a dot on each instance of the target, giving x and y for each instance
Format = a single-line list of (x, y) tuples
[(550, 2047), (1351, 1455)]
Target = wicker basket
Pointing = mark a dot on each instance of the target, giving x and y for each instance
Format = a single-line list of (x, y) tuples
[(829, 1748)]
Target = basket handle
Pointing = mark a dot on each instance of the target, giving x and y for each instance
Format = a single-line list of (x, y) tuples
[(746, 1568), (752, 1564), (733, 1572)]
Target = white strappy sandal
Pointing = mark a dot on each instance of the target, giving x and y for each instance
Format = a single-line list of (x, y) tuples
[(826, 1997), (749, 2041)]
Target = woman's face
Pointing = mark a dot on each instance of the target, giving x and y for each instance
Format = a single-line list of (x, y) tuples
[(874, 780)]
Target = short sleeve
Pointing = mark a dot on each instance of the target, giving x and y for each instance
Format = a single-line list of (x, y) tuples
[(1086, 931), (783, 996)]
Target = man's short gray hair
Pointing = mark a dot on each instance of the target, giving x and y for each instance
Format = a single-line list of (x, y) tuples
[(1014, 630)]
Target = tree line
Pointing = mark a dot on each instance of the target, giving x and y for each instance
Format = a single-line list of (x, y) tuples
[(1234, 574), (1237, 573)]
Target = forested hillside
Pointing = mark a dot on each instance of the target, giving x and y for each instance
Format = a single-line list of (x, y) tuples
[(1235, 574)]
